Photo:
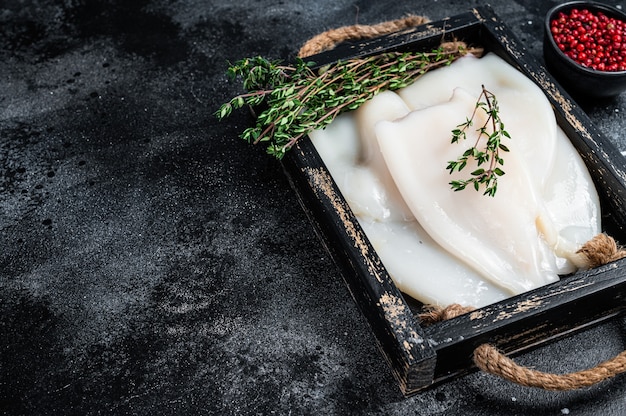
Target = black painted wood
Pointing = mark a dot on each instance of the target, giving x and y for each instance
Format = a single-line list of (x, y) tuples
[(420, 357), (401, 339)]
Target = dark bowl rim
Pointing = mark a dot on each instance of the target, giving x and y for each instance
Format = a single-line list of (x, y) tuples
[(569, 61)]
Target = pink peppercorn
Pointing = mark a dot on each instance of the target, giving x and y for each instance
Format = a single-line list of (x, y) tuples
[(594, 40)]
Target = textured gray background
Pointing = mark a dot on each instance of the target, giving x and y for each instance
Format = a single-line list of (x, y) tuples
[(153, 263)]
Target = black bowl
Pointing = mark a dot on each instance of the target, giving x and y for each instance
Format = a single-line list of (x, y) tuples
[(577, 79)]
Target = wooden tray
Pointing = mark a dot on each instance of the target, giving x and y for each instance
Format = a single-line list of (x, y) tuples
[(422, 356)]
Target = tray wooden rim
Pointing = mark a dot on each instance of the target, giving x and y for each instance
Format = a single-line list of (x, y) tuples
[(421, 357)]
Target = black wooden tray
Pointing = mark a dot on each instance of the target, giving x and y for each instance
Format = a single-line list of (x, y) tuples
[(422, 356)]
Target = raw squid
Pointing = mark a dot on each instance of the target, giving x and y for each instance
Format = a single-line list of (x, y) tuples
[(440, 246)]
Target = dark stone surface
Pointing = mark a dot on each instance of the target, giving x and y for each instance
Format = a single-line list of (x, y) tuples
[(154, 263)]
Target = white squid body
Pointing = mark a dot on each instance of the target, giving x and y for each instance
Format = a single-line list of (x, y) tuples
[(389, 160)]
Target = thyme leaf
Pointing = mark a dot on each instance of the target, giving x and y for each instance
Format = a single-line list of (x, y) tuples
[(297, 100), (493, 131)]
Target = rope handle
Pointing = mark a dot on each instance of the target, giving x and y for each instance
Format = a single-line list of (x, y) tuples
[(490, 360), (601, 249), (331, 38)]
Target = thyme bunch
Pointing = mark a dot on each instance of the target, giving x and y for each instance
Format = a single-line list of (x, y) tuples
[(493, 130), (297, 100)]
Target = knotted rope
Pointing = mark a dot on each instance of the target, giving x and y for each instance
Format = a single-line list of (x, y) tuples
[(600, 250)]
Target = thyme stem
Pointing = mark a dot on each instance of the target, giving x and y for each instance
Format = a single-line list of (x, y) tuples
[(481, 177), (297, 100)]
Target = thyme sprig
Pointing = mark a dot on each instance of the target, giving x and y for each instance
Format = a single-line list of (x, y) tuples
[(298, 100), (493, 130)]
